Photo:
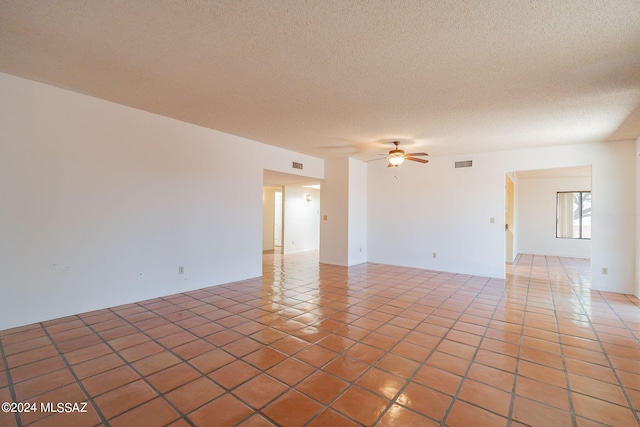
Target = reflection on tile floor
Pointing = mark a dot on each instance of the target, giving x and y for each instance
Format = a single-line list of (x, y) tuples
[(321, 345)]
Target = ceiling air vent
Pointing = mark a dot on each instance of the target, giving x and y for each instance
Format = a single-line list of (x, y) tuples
[(463, 164), (296, 165)]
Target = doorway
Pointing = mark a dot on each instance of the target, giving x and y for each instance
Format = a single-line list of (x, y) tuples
[(531, 212), (509, 225), (290, 213), (272, 219), (277, 222)]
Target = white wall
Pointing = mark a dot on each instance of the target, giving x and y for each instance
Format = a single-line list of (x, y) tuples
[(334, 230), (637, 152), (301, 219), (537, 217), (436, 208), (343, 234), (613, 225), (92, 192), (268, 217), (357, 241)]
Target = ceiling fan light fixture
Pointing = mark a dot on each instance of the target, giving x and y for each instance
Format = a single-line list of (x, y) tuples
[(396, 159)]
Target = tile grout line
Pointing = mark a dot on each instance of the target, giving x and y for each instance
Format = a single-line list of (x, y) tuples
[(293, 387), (522, 323), (130, 365), (574, 417), (75, 376), (203, 375), (434, 349), (289, 356), (472, 361), (327, 406), (633, 410), (409, 380), (385, 352), (226, 390), (10, 380), (262, 371), (353, 382)]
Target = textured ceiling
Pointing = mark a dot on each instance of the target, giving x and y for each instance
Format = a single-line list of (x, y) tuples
[(335, 77)]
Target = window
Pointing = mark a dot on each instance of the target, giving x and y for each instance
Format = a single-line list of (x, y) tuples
[(573, 215)]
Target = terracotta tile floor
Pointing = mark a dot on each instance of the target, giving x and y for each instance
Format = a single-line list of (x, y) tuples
[(320, 345)]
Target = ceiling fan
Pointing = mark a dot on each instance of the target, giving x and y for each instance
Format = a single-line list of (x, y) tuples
[(396, 156)]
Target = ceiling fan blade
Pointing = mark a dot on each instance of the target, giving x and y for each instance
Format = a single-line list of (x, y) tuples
[(415, 159), (373, 160), (416, 154)]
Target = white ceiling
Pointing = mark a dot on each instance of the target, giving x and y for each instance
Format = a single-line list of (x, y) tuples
[(336, 77)]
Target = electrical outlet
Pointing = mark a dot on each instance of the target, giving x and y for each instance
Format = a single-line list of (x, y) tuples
[(604, 271), (434, 254), (492, 220), (181, 269), (140, 274)]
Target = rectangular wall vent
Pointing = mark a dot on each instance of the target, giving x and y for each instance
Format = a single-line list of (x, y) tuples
[(297, 165), (464, 164)]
